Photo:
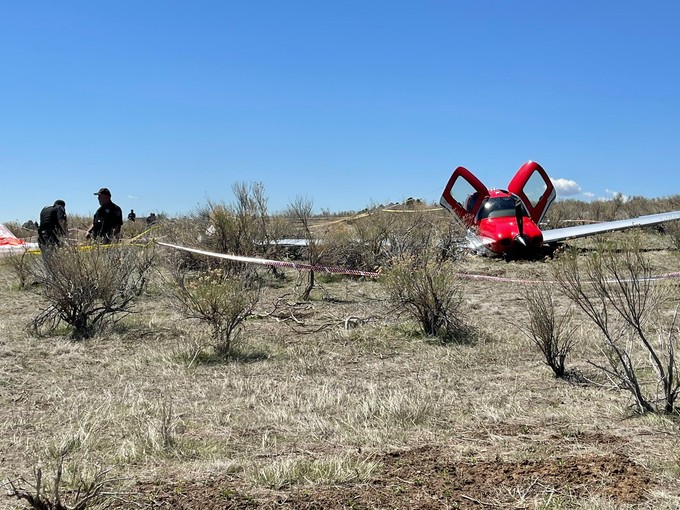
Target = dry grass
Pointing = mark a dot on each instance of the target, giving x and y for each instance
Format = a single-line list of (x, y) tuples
[(310, 400)]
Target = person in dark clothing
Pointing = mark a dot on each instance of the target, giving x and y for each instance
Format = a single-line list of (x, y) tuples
[(151, 219), (107, 220), (132, 216), (53, 225)]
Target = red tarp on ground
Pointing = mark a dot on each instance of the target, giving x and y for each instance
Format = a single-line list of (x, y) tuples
[(8, 239)]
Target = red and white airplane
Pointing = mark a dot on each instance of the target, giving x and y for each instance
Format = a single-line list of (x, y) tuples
[(505, 222)]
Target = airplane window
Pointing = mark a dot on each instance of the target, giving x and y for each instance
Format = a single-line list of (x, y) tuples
[(461, 190), (535, 188), (499, 208)]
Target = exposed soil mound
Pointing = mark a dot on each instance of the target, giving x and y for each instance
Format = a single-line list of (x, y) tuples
[(425, 478)]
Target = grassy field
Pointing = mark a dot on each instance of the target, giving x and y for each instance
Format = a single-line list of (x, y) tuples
[(335, 402)]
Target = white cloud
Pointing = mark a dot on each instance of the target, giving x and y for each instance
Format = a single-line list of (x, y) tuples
[(616, 195), (588, 194), (566, 187)]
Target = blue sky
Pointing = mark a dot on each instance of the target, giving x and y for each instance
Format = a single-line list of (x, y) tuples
[(347, 103)]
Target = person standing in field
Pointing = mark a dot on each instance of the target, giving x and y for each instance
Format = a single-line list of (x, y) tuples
[(132, 216), (53, 225), (107, 221)]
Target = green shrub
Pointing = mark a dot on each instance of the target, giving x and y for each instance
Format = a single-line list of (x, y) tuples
[(91, 287), (430, 292), (221, 302)]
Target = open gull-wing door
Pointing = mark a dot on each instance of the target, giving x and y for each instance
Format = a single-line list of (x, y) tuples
[(463, 195), (533, 186)]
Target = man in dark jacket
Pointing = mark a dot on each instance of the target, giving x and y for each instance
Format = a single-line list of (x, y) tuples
[(107, 220), (53, 225)]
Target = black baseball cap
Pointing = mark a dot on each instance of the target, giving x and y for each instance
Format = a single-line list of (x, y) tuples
[(103, 191)]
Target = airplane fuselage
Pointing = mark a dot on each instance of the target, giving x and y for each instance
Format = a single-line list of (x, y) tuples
[(501, 237), (504, 227)]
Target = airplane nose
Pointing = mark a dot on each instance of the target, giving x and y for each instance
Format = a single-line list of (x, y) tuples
[(520, 239)]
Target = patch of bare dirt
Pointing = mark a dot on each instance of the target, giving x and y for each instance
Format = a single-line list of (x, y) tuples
[(425, 478)]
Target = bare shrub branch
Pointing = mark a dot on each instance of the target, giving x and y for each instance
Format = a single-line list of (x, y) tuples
[(80, 492), (550, 331), (411, 234), (614, 288), (301, 210), (23, 266), (242, 228)]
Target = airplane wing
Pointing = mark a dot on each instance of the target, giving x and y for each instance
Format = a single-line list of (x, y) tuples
[(562, 234), (291, 242)]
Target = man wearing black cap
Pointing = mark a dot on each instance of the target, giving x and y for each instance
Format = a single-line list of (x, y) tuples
[(52, 225), (107, 220)]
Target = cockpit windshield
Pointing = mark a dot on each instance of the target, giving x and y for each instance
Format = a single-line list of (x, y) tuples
[(500, 207)]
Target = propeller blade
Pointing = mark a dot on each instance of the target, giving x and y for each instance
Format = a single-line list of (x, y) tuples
[(519, 216)]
